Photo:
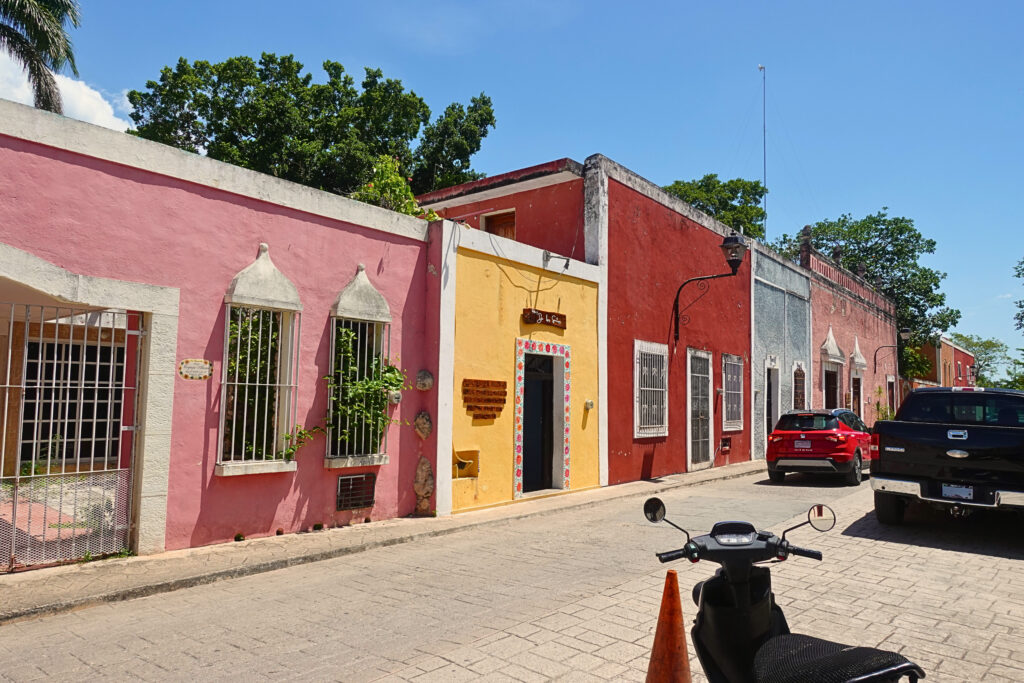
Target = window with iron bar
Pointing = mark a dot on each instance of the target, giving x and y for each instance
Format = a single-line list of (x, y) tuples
[(732, 378), (799, 403), (261, 355), (356, 491), (650, 389), (358, 394)]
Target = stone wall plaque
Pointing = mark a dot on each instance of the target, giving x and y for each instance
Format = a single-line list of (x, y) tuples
[(533, 316), (484, 398), (195, 368)]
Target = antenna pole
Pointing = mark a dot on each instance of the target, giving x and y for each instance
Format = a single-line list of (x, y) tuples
[(764, 147)]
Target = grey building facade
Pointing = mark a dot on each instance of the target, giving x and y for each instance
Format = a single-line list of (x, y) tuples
[(781, 345)]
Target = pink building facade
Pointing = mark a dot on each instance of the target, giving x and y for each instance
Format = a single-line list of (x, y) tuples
[(110, 239), (853, 333)]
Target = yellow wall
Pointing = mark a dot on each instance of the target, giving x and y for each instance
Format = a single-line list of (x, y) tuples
[(490, 296)]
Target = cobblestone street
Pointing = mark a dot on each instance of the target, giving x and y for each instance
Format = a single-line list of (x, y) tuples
[(572, 596)]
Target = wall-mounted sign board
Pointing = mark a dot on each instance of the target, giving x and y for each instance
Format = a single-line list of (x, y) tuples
[(484, 398), (195, 368), (533, 316)]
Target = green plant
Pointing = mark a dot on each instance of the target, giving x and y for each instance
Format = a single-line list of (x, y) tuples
[(296, 440), (359, 392), (239, 536), (388, 188), (318, 526)]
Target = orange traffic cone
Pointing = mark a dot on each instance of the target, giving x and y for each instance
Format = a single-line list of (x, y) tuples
[(670, 661)]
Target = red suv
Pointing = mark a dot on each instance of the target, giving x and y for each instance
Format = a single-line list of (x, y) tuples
[(819, 441)]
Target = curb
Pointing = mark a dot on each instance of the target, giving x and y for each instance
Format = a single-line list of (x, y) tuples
[(547, 506)]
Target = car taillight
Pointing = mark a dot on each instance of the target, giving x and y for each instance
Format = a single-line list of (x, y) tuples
[(874, 443), (776, 438), (836, 438)]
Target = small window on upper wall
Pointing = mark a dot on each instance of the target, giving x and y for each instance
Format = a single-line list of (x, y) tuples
[(732, 374), (501, 224), (959, 370), (799, 403)]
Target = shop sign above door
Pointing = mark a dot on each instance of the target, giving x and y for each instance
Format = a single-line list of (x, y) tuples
[(484, 398), (533, 316)]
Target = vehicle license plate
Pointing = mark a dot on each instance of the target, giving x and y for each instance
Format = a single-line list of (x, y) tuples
[(801, 444), (958, 492)]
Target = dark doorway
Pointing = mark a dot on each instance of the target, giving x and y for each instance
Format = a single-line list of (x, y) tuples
[(538, 427), (831, 389), (769, 400), (855, 389)]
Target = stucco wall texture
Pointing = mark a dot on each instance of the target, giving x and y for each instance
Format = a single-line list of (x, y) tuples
[(104, 219), (781, 293), (491, 294), (651, 251), (851, 320)]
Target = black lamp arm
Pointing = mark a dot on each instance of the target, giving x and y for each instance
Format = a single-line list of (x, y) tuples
[(889, 346), (675, 306)]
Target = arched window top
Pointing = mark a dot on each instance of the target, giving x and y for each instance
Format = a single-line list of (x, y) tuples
[(262, 285), (360, 300)]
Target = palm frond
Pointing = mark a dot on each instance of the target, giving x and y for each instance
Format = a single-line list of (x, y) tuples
[(45, 93)]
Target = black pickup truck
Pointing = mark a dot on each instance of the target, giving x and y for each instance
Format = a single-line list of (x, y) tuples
[(955, 448)]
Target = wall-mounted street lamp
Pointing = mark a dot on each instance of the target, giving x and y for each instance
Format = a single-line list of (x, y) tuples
[(905, 336), (733, 248)]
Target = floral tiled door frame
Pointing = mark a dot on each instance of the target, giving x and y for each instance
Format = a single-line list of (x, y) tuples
[(560, 352)]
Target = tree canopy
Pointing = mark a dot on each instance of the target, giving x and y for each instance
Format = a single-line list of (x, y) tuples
[(1018, 317), (889, 248), (989, 354), (736, 202), (271, 117), (35, 34)]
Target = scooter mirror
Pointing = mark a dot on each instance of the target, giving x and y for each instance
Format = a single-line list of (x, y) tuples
[(654, 510), (821, 517)]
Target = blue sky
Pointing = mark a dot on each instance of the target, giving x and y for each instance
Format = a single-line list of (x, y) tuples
[(916, 106)]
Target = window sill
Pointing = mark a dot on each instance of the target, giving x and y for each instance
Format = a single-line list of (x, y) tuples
[(236, 469), (732, 428), (355, 461)]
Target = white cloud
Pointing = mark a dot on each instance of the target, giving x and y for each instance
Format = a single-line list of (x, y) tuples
[(1005, 296), (80, 101)]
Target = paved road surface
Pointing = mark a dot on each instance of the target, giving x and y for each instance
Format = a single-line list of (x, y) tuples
[(572, 597)]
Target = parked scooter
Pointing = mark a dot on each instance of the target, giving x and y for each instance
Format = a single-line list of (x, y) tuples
[(741, 634)]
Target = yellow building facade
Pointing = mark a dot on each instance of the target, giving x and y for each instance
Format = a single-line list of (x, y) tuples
[(526, 381)]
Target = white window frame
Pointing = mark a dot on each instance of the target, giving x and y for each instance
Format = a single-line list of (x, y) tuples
[(959, 370), (736, 424), (282, 415), (643, 424)]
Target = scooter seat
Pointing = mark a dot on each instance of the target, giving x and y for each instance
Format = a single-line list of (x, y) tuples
[(794, 658)]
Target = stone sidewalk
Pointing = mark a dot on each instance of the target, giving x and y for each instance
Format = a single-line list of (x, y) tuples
[(59, 589)]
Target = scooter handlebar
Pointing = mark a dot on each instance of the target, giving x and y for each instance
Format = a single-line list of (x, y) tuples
[(804, 552), (671, 555)]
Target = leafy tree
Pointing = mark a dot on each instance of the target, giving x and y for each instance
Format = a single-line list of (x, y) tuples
[(1018, 271), (889, 249), (448, 142), (988, 355), (271, 117), (1015, 373), (736, 202), (35, 34)]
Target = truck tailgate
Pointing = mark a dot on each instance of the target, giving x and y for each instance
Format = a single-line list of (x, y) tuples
[(994, 454)]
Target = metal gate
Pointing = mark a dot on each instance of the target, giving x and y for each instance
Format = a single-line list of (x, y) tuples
[(68, 406), (700, 409)]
